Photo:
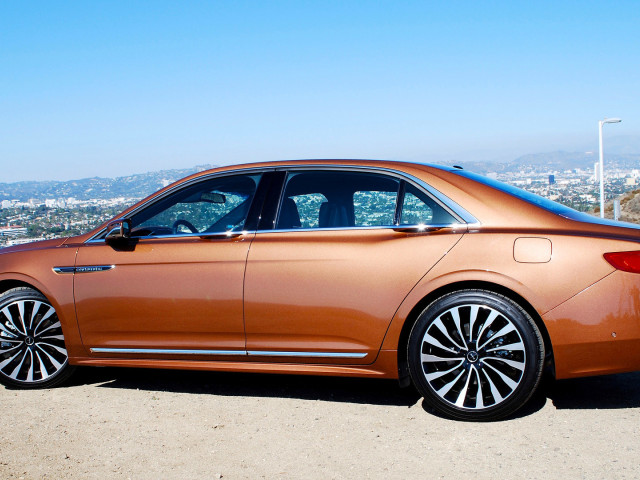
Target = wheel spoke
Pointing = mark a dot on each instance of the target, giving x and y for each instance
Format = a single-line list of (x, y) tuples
[(503, 331), (434, 376), (30, 372), (21, 312), (55, 337), (488, 322), (9, 316), (36, 307), (433, 358), (51, 359), (494, 391), (463, 393), (16, 371), (511, 347), (445, 388), (50, 312), (8, 349), (55, 325), (510, 383), (9, 360), (473, 316), (43, 368), (7, 331), (480, 393), (59, 349), (456, 320), (511, 363), (433, 341), (440, 326)]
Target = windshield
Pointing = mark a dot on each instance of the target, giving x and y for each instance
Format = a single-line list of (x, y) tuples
[(541, 202)]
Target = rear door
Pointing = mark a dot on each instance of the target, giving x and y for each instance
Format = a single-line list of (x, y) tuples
[(347, 247)]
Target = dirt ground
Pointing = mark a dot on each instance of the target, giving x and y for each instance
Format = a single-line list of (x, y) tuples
[(149, 424)]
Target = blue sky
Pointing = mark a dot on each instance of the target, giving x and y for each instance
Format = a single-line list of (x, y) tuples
[(114, 88)]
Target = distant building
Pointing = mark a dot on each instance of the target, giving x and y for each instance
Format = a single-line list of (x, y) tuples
[(552, 179), (12, 231)]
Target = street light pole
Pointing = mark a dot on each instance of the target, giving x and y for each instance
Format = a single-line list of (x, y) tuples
[(600, 123)]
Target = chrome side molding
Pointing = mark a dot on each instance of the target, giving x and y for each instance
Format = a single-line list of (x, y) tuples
[(251, 353)]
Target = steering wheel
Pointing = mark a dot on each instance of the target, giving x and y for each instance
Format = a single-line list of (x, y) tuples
[(184, 223)]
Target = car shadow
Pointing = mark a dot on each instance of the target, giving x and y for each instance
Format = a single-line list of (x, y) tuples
[(330, 389), (604, 392)]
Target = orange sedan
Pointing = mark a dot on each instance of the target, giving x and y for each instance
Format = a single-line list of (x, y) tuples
[(467, 287)]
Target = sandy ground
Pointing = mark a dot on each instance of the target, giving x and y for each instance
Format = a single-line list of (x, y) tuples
[(138, 424)]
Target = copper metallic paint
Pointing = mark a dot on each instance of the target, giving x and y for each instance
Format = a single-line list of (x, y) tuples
[(372, 282)]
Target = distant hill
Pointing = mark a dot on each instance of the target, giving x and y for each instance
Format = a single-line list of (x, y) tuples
[(629, 207), (141, 185), (132, 186), (554, 161)]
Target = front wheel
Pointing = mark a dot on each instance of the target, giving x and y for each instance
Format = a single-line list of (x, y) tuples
[(32, 348), (475, 355)]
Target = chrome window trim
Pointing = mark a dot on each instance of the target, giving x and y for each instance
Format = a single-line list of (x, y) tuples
[(203, 236), (451, 206), (252, 353), (453, 226)]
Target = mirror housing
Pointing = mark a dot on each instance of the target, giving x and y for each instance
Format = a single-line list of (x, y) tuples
[(118, 230)]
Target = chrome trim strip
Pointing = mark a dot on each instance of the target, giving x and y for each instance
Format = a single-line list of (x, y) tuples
[(454, 226), (255, 353), (94, 268), (161, 351), (63, 270), (306, 354)]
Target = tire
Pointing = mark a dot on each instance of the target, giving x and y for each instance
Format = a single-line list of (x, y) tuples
[(32, 348), (475, 355)]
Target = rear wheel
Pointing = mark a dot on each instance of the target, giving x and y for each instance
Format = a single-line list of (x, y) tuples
[(32, 348), (475, 355)]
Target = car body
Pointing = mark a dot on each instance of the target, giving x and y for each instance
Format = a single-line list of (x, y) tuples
[(334, 267)]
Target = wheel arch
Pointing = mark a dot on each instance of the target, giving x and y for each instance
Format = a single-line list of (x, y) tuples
[(6, 285), (403, 339)]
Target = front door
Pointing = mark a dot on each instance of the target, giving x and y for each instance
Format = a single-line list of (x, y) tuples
[(177, 288)]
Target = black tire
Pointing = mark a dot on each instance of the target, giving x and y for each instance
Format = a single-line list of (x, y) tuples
[(475, 355), (32, 349)]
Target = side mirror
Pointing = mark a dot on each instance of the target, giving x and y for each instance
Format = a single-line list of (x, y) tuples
[(118, 230)]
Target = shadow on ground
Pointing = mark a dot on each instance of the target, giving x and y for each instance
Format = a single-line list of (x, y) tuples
[(605, 392), (331, 389)]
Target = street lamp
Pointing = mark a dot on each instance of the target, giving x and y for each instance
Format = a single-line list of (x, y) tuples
[(600, 123)]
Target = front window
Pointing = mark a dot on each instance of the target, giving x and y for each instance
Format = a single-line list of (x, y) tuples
[(216, 205)]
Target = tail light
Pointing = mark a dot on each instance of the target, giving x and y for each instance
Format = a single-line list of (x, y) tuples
[(625, 261)]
